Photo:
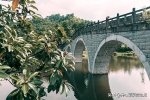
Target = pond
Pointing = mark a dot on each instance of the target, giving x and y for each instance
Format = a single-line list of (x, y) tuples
[(126, 80)]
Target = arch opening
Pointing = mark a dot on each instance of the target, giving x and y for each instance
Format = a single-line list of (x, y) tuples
[(113, 41), (125, 65), (80, 47), (104, 55)]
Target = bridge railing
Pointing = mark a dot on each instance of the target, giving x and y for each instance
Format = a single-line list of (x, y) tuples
[(131, 21)]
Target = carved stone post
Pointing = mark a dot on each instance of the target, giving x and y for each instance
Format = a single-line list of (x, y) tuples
[(133, 15), (106, 24), (117, 21)]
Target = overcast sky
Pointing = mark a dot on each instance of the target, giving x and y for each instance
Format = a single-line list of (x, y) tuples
[(88, 9)]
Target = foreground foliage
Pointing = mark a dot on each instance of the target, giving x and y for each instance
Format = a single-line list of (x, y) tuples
[(27, 57)]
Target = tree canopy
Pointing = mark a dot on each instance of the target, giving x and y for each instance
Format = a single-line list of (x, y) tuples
[(70, 23)]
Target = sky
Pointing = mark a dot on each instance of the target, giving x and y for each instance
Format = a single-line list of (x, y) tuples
[(87, 9)]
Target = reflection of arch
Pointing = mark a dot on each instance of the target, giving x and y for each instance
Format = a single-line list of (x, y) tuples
[(108, 46), (79, 78), (97, 88), (102, 88)]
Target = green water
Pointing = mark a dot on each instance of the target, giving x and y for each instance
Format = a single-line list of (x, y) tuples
[(126, 76)]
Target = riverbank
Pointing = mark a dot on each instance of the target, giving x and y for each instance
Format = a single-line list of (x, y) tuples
[(129, 54)]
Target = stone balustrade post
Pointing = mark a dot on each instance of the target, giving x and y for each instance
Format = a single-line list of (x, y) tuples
[(118, 20), (133, 15)]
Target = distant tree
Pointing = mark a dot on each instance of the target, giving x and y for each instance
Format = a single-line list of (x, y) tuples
[(146, 15), (70, 23)]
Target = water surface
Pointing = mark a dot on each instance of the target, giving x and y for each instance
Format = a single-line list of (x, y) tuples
[(126, 75)]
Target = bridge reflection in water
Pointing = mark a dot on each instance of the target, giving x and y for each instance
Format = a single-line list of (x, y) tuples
[(126, 75), (89, 86)]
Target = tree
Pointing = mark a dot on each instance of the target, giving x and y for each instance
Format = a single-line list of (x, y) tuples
[(26, 57), (70, 23), (146, 15)]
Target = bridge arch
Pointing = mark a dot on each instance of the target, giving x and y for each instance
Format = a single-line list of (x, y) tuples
[(79, 47), (106, 49), (82, 65)]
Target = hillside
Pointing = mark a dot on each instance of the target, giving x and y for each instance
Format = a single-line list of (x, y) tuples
[(69, 22)]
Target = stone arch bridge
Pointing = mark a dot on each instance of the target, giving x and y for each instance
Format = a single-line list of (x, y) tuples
[(102, 38)]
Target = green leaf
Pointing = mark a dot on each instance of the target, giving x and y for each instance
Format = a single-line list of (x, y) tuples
[(36, 82), (42, 92), (32, 2), (10, 48), (20, 96), (22, 1), (50, 87), (14, 77), (71, 67), (65, 68), (20, 82), (62, 88), (2, 28), (59, 64), (4, 67), (47, 69), (34, 7), (69, 85), (8, 18), (62, 53), (3, 75), (61, 31), (33, 75), (53, 79), (33, 87), (12, 95), (66, 90), (64, 61), (25, 89), (0, 7), (28, 45), (31, 11), (25, 72)]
